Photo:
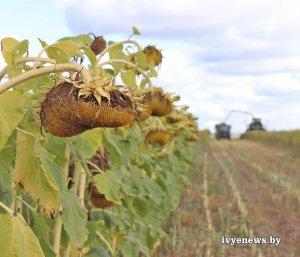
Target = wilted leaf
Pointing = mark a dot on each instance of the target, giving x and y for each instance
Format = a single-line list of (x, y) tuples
[(7, 45), (21, 48), (90, 54), (135, 31), (153, 72), (37, 179), (85, 41), (116, 52), (12, 49), (62, 51), (128, 77), (74, 218), (141, 59), (10, 114), (143, 83), (82, 38), (17, 239)]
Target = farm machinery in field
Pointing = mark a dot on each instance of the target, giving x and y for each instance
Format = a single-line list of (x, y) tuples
[(222, 130), (255, 124)]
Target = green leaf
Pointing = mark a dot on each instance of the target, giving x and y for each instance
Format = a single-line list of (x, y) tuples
[(43, 43), (153, 72), (17, 239), (97, 251), (41, 229), (135, 31), (37, 86), (6, 192), (48, 164), (90, 54), (116, 52), (108, 185), (143, 83), (74, 218), (96, 226), (129, 248), (7, 48), (82, 38), (141, 59), (87, 143), (128, 77), (85, 41), (126, 148), (11, 50), (140, 206), (21, 48), (62, 51), (11, 114), (111, 144), (56, 146), (35, 176)]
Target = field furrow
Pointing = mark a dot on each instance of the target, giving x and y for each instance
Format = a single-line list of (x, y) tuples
[(240, 190)]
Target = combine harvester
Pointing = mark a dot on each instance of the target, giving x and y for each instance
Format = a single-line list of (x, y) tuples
[(222, 130), (256, 124)]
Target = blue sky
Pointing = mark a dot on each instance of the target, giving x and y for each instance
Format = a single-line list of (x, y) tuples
[(219, 55)]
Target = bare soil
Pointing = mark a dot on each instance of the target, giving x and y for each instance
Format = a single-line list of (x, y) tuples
[(267, 181)]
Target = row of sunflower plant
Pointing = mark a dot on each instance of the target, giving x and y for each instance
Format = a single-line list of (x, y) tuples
[(93, 156)]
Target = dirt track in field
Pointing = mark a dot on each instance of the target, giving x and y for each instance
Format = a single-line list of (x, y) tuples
[(241, 189)]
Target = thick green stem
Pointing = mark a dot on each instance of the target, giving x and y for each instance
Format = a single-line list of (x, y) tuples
[(65, 67)]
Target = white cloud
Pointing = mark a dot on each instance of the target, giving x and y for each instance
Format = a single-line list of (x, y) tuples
[(195, 17), (220, 55), (271, 96)]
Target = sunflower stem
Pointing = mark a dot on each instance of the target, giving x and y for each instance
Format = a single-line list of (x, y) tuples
[(103, 240), (117, 44), (39, 57), (134, 66), (58, 219), (10, 211), (46, 70), (24, 60), (95, 166), (25, 203), (79, 185)]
